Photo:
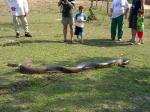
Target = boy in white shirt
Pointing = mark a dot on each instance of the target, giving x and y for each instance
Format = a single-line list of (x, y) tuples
[(19, 10), (80, 18), (119, 9)]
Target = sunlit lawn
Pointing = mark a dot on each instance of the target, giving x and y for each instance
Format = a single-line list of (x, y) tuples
[(103, 90)]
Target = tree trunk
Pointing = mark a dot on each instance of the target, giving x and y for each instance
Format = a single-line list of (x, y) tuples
[(92, 3), (107, 6)]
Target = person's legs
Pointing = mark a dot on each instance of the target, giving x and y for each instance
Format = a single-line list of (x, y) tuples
[(65, 31), (71, 31), (133, 26), (133, 31), (140, 36), (113, 28), (16, 26), (81, 38), (24, 23), (120, 21), (25, 26)]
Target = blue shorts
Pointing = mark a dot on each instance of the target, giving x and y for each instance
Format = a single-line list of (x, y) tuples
[(78, 31)]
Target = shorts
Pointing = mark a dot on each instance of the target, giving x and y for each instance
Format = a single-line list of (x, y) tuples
[(78, 31), (133, 21), (140, 34), (67, 20)]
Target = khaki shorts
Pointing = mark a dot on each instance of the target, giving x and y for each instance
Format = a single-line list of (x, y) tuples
[(67, 20)]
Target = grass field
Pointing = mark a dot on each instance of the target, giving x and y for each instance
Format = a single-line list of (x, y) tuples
[(103, 90)]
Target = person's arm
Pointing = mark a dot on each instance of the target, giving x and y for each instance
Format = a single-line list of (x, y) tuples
[(142, 5), (26, 7), (59, 3), (111, 10), (85, 18), (126, 9), (71, 4)]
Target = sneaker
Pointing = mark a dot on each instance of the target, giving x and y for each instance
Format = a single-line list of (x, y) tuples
[(17, 35), (119, 39), (28, 35), (132, 43), (138, 43), (142, 42), (132, 40)]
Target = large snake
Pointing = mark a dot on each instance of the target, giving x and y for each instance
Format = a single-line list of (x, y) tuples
[(27, 66)]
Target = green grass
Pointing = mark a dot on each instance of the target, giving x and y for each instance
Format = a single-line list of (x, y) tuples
[(102, 90)]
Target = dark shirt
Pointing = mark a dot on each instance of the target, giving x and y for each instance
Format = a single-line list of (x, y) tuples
[(136, 6), (66, 9)]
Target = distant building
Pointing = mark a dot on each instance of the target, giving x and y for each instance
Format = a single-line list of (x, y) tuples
[(147, 2)]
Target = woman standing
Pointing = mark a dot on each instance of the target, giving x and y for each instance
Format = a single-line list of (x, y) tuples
[(136, 6)]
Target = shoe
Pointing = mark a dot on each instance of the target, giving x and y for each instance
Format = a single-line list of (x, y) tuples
[(17, 35), (132, 43), (119, 39), (139, 43), (132, 40), (142, 42), (28, 35)]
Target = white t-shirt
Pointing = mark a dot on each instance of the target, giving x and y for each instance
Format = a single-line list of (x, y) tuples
[(20, 7), (82, 17), (119, 7)]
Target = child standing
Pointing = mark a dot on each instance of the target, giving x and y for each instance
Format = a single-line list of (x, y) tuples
[(80, 18), (140, 27), (19, 10)]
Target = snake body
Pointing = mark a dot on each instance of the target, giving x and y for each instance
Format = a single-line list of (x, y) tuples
[(27, 66)]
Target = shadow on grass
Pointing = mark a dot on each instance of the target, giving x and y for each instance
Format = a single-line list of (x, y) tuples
[(147, 17), (104, 90), (89, 42), (7, 37), (22, 42), (104, 43)]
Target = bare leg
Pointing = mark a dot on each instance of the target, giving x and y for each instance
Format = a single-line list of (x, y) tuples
[(71, 32), (77, 36), (81, 39), (133, 35), (65, 32)]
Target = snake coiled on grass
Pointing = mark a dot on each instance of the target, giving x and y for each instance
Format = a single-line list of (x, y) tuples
[(29, 69)]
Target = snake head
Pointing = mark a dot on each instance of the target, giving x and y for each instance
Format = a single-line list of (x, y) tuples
[(125, 61)]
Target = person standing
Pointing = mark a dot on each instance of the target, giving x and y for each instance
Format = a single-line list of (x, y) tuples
[(140, 27), (67, 16), (80, 19), (136, 6), (119, 9), (19, 10)]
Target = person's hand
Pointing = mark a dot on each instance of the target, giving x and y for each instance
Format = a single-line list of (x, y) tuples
[(25, 14), (79, 20), (13, 8), (110, 14)]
